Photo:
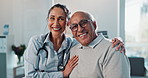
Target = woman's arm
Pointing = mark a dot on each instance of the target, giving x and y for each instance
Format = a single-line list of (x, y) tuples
[(30, 57), (70, 66)]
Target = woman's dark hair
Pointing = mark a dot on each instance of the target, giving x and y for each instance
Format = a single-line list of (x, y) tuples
[(65, 9)]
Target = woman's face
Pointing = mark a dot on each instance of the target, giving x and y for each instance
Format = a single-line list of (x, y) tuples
[(57, 21)]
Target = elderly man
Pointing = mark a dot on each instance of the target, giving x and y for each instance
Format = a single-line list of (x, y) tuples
[(97, 58)]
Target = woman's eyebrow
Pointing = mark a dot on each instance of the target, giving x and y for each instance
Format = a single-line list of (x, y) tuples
[(52, 16), (61, 16)]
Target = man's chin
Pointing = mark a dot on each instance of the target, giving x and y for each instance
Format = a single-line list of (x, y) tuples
[(84, 43)]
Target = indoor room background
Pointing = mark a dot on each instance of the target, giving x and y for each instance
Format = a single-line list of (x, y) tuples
[(118, 18)]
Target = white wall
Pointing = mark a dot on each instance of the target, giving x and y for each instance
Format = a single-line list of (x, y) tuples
[(28, 17), (121, 24), (25, 17), (5, 14), (34, 20), (106, 12)]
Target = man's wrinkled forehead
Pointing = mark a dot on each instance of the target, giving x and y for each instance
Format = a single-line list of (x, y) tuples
[(79, 16)]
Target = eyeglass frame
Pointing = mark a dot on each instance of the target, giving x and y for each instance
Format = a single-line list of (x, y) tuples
[(82, 24)]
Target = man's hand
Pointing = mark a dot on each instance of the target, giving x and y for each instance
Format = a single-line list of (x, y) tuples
[(70, 66), (120, 44)]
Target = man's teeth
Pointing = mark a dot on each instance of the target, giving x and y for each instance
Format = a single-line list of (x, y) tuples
[(56, 28), (82, 35)]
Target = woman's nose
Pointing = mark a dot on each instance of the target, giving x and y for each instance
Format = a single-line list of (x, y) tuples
[(56, 22)]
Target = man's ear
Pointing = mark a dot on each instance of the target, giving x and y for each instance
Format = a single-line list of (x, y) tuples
[(95, 26)]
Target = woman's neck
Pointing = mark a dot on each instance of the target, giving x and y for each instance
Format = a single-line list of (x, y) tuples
[(57, 41)]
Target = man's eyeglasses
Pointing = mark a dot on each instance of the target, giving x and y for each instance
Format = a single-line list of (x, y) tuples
[(82, 23)]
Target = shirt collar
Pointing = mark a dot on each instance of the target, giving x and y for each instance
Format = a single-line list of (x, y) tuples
[(47, 38), (49, 43), (95, 42)]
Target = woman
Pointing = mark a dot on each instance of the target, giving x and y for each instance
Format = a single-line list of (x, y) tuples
[(46, 55)]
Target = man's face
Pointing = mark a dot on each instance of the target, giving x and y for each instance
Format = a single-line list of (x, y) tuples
[(83, 28)]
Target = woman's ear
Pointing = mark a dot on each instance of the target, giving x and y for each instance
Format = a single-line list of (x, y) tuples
[(68, 22)]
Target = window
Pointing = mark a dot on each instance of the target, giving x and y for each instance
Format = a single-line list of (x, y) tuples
[(136, 28)]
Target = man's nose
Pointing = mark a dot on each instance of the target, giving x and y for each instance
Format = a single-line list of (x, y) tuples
[(80, 28)]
